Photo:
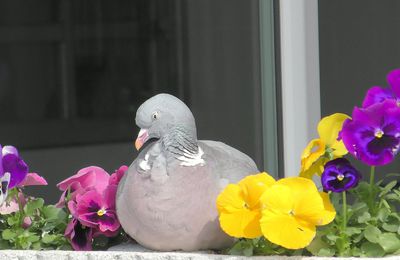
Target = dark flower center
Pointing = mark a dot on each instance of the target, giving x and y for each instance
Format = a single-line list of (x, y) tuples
[(378, 145)]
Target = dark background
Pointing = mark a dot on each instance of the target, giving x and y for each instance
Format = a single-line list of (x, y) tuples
[(73, 73), (359, 44)]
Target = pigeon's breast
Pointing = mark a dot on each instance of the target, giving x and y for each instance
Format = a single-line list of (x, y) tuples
[(167, 209)]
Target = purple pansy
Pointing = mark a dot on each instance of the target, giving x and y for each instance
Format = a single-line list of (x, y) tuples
[(11, 162), (79, 236), (339, 175), (373, 133), (377, 94), (98, 210)]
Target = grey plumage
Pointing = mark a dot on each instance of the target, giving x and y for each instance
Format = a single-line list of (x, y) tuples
[(167, 199)]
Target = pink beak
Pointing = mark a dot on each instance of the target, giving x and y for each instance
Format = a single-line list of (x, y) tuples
[(142, 138)]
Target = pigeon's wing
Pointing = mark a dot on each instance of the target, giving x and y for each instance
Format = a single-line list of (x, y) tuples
[(229, 163)]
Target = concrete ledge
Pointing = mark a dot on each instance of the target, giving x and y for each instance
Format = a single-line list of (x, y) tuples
[(120, 255), (136, 252)]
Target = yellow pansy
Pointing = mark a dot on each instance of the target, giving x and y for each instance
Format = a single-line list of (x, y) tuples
[(239, 206), (313, 157), (292, 209)]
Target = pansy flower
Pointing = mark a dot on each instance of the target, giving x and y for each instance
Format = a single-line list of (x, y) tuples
[(97, 210), (88, 178), (116, 177), (80, 237), (325, 148), (377, 94), (12, 163), (373, 134), (239, 206), (293, 207), (339, 175)]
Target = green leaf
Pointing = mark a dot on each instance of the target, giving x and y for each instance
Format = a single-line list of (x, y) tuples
[(372, 234), (364, 218), (4, 245), (389, 242), (392, 224), (33, 238), (242, 247), (372, 250), (332, 237), (383, 214), (316, 245), (33, 205), (326, 252), (50, 212), (49, 239), (8, 234), (13, 220), (388, 188), (356, 251), (352, 231)]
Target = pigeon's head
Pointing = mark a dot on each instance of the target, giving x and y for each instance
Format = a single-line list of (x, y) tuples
[(159, 114)]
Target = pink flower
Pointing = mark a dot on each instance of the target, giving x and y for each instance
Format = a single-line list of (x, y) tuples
[(117, 175), (89, 177), (79, 236), (33, 179), (97, 210), (86, 179), (12, 206), (27, 222), (90, 196)]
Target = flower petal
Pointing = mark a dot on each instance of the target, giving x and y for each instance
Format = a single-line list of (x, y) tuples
[(307, 203), (33, 179), (314, 150), (241, 223), (253, 186), (285, 230), (279, 197), (231, 199), (316, 168), (329, 213), (116, 177), (359, 134), (13, 164), (92, 176), (79, 236), (109, 197), (108, 222), (394, 81), (329, 128), (235, 218), (376, 95)]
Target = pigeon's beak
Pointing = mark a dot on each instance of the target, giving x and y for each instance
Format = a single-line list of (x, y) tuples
[(142, 138)]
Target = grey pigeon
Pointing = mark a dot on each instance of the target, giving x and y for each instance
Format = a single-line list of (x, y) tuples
[(167, 199)]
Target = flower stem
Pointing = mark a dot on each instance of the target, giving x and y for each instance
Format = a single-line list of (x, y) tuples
[(21, 207), (342, 246), (344, 224), (372, 191), (372, 176)]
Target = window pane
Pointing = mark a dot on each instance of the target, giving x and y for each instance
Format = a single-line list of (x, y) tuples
[(359, 45), (75, 72), (29, 79)]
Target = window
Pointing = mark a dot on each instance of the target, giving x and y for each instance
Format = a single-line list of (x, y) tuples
[(73, 73), (359, 45)]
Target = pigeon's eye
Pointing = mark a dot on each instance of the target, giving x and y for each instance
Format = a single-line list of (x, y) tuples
[(154, 116)]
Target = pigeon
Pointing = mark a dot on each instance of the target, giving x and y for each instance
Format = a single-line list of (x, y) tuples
[(166, 200)]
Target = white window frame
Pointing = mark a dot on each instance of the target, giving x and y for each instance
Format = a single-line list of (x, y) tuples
[(299, 49)]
